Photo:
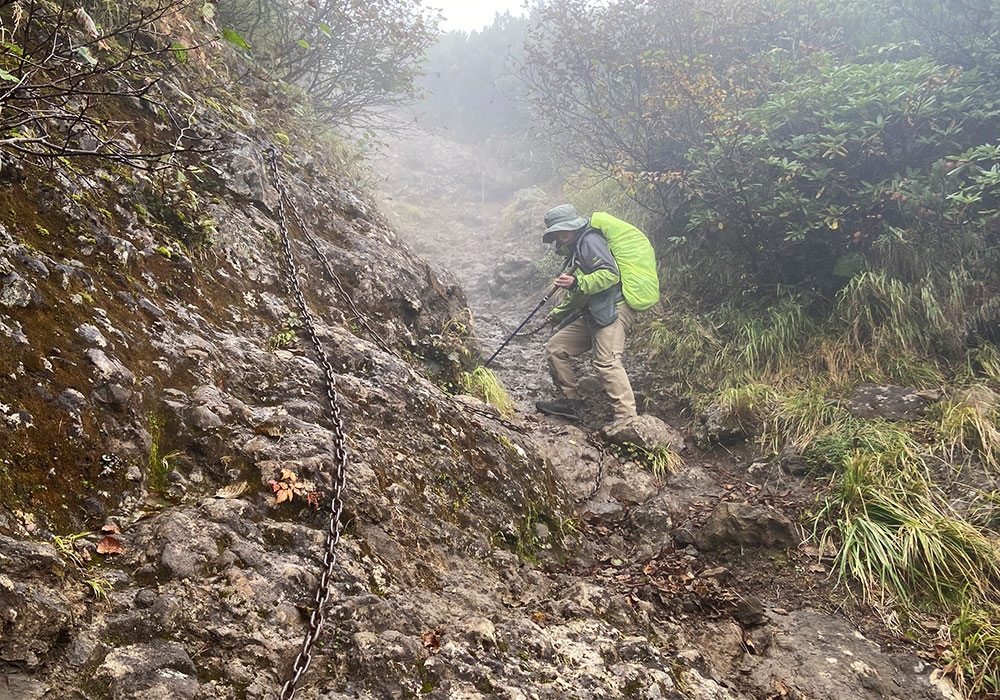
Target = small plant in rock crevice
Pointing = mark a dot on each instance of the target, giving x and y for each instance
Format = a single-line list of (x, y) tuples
[(287, 486), (660, 460), (287, 336), (483, 384)]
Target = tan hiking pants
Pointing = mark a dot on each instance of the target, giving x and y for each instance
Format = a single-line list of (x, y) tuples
[(608, 344)]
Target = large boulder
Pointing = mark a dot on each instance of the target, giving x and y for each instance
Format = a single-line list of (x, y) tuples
[(888, 402), (513, 273), (720, 423), (644, 431), (746, 525), (158, 669)]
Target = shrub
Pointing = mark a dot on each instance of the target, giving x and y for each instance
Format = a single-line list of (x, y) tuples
[(352, 58)]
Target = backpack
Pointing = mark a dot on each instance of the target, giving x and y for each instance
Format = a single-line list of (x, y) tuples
[(635, 258)]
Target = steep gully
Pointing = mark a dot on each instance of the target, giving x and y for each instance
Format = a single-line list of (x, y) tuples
[(755, 613)]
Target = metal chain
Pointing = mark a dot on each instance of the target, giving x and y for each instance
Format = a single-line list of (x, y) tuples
[(328, 268), (536, 331), (322, 596), (602, 454)]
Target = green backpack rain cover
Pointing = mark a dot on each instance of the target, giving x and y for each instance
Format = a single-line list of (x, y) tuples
[(635, 258)]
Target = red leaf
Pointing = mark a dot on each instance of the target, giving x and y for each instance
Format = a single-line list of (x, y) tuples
[(109, 545)]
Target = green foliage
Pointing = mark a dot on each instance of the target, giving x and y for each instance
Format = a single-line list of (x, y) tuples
[(483, 384), (974, 655), (287, 336), (897, 533), (660, 460), (847, 159), (592, 191), (353, 59), (968, 428), (234, 38)]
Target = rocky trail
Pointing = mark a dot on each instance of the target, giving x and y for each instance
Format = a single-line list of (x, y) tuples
[(155, 402), (704, 570)]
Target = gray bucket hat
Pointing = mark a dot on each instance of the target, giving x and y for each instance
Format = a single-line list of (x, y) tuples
[(562, 218)]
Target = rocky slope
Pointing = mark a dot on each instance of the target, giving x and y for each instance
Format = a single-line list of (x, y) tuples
[(152, 392)]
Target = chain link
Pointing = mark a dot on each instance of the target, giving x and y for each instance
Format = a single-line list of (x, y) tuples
[(322, 595), (602, 454), (536, 331), (328, 268)]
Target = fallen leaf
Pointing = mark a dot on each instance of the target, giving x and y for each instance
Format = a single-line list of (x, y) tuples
[(110, 529), (817, 569), (432, 639), (109, 545), (235, 490)]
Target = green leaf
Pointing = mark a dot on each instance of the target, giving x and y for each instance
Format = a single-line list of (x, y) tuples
[(234, 38), (13, 48), (4, 75), (326, 29), (208, 12), (86, 55), (180, 53), (304, 44)]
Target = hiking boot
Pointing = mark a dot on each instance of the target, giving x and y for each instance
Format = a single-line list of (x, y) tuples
[(564, 408)]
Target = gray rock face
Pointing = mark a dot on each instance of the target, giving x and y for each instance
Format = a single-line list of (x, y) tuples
[(743, 524), (644, 431), (15, 291), (894, 403), (92, 335), (513, 273), (150, 671), (203, 419), (819, 656)]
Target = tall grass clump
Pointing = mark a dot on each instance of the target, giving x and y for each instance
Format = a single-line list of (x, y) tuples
[(984, 362), (897, 534), (483, 384), (748, 405), (774, 340), (689, 347), (968, 427), (886, 314), (973, 657), (803, 417)]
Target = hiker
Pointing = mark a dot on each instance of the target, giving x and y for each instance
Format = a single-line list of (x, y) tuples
[(612, 276)]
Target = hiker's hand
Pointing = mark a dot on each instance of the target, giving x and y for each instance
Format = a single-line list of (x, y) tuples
[(553, 320), (565, 281)]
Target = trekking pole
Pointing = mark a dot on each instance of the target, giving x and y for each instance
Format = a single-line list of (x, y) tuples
[(523, 324)]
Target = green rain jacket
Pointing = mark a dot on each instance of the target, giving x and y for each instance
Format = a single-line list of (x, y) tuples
[(612, 261)]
